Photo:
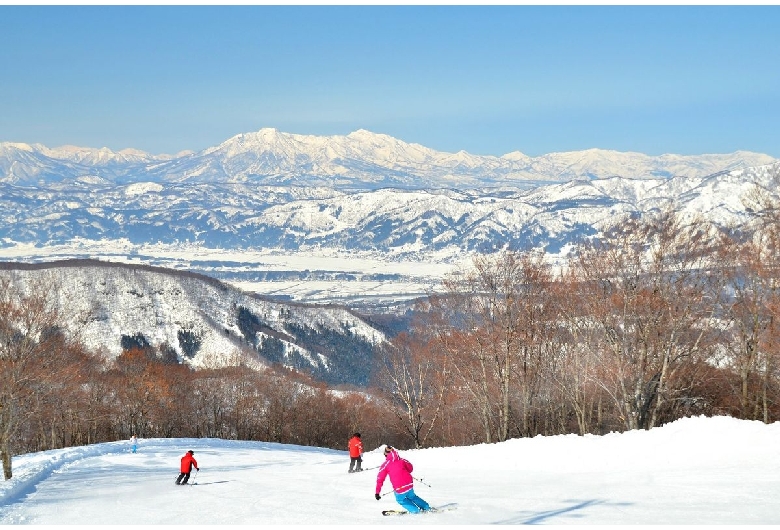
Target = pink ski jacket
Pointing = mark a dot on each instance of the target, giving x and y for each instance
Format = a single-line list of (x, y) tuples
[(400, 471)]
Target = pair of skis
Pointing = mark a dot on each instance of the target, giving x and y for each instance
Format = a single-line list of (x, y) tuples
[(436, 509)]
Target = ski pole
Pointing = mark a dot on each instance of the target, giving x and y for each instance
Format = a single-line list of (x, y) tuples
[(421, 481), (194, 477)]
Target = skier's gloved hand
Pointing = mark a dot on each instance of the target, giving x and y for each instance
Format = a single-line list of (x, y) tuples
[(377, 496)]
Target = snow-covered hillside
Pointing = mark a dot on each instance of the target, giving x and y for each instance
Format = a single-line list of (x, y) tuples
[(204, 322)]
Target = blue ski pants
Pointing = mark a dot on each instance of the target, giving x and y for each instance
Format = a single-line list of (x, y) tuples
[(411, 501)]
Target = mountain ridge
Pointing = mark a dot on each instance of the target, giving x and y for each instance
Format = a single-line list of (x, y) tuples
[(197, 319), (359, 160), (397, 222)]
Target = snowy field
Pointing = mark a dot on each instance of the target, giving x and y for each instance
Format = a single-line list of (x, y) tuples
[(693, 471), (411, 278)]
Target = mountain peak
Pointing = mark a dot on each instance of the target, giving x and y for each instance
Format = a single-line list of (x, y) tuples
[(363, 134), (16, 145)]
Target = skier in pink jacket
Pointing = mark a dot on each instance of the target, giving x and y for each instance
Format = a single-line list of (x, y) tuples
[(400, 472)]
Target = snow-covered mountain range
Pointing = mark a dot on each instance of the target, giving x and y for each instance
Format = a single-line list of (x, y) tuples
[(363, 195), (360, 160), (197, 320), (400, 223)]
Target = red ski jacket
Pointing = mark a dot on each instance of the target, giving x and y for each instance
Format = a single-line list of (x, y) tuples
[(187, 463), (355, 447)]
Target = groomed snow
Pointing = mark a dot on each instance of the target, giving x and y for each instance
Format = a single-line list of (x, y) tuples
[(693, 471)]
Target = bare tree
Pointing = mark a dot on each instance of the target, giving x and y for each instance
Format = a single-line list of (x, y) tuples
[(751, 258), (652, 299), (576, 371), (751, 289), (28, 343), (415, 375), (493, 325)]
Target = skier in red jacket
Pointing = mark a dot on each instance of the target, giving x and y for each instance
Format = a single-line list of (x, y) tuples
[(355, 453), (187, 463)]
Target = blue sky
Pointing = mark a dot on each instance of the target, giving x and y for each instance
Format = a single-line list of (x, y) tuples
[(487, 80)]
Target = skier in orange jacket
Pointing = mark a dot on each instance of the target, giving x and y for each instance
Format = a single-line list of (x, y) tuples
[(187, 463), (355, 453)]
